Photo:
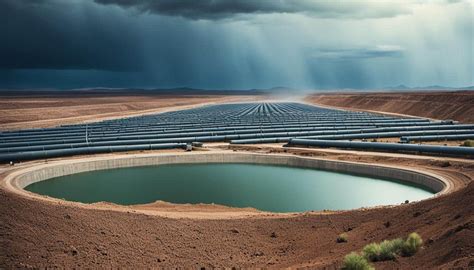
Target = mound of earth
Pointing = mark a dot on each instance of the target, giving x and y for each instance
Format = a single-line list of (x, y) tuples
[(458, 105)]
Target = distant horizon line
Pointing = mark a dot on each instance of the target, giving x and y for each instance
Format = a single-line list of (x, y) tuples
[(275, 88)]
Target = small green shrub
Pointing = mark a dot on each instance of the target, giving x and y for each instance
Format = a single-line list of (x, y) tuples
[(342, 238), (390, 248), (397, 244), (386, 250), (412, 244), (371, 252), (468, 143), (354, 261)]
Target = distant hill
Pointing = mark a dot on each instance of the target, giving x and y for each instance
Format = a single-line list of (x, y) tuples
[(279, 90), (429, 87)]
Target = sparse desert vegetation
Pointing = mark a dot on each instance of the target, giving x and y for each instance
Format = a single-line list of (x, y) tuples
[(468, 143), (411, 245), (354, 261), (383, 251), (342, 238)]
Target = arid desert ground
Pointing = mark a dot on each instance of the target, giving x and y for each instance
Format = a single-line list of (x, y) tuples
[(49, 233)]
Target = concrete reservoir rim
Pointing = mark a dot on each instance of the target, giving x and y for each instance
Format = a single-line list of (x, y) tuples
[(19, 179)]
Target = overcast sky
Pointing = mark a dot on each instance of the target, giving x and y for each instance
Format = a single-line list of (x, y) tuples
[(231, 44)]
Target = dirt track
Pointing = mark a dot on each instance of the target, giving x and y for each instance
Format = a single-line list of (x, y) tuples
[(438, 105)]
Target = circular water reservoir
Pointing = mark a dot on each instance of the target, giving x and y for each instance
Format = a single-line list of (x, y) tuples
[(265, 187)]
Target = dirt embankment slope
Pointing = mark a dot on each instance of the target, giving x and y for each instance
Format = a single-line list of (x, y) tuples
[(457, 105), (38, 109), (42, 234)]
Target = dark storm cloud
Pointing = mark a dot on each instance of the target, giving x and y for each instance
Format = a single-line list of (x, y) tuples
[(223, 44), (220, 9), (48, 34)]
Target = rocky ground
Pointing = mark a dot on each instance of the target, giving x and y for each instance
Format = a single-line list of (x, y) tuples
[(37, 233)]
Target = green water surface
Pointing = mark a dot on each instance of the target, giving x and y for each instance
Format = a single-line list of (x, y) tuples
[(265, 187)]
